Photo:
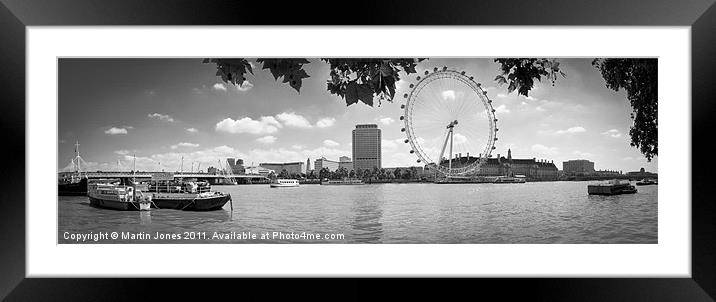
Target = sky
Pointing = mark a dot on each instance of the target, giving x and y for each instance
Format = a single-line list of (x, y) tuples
[(161, 110)]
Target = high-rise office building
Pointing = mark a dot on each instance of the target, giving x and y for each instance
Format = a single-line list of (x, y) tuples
[(366, 147)]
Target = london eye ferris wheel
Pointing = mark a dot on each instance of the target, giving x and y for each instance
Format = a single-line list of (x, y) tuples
[(449, 122)]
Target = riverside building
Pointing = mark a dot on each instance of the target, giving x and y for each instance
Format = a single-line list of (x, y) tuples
[(366, 147)]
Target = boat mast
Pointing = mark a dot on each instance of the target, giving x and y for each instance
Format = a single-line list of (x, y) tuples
[(77, 156)]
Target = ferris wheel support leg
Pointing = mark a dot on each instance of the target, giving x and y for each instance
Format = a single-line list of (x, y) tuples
[(450, 160), (442, 151)]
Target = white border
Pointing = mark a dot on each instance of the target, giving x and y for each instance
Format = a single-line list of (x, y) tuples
[(670, 257)]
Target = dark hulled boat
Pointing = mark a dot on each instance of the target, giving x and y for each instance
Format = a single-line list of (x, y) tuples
[(186, 196), (613, 187), (72, 187), (74, 184), (208, 201)]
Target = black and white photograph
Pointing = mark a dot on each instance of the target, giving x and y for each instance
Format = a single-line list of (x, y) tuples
[(357, 150)]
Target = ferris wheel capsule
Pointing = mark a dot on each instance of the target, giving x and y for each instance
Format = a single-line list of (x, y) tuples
[(407, 140), (402, 106), (402, 129), (435, 69), (402, 117), (405, 95), (493, 109), (444, 68), (495, 120), (417, 78), (412, 151), (418, 160), (427, 72), (411, 85), (472, 78), (462, 73)]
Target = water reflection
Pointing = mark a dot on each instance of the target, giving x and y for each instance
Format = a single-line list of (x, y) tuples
[(367, 215), (146, 217)]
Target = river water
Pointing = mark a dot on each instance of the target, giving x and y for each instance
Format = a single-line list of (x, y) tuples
[(538, 212)]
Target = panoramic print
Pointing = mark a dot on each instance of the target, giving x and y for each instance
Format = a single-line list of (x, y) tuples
[(357, 150)]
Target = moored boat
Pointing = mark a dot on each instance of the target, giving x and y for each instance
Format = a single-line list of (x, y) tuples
[(283, 183), (118, 195), (345, 181), (186, 196), (646, 182), (613, 187), (74, 184), (509, 180)]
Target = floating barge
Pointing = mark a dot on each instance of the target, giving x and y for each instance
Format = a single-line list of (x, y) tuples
[(167, 193), (613, 187)]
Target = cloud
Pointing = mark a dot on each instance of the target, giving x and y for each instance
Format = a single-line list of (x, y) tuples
[(161, 117), (448, 95), (583, 154), (530, 98), (115, 131), (187, 145), (266, 125), (502, 109), (459, 138), (245, 86), (330, 143), (544, 150), (122, 152), (269, 139), (386, 121), (293, 120), (571, 130), (192, 130), (325, 122), (393, 144), (298, 147), (612, 133), (501, 95), (220, 86)]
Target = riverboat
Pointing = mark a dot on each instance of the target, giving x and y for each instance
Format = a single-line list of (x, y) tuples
[(613, 187), (283, 183), (119, 195), (646, 182), (342, 182)]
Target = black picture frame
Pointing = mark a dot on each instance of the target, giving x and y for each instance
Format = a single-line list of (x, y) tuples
[(16, 15)]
